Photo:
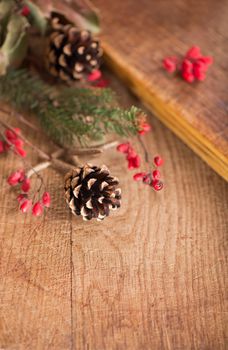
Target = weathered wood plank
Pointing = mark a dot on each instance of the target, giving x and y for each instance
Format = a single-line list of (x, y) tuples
[(137, 35), (152, 276)]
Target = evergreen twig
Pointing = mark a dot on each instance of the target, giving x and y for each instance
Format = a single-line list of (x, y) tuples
[(68, 113)]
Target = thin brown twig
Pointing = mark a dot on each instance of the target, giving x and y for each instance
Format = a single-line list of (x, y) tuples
[(25, 121), (41, 153), (83, 151), (71, 154), (146, 156), (56, 163), (61, 165)]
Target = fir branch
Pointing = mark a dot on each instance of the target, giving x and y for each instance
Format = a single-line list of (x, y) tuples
[(68, 113)]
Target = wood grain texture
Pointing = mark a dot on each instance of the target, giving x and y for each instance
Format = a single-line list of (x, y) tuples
[(152, 276), (137, 35)]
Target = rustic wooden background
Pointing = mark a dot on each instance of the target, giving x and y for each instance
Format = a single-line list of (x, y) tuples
[(152, 276), (137, 35)]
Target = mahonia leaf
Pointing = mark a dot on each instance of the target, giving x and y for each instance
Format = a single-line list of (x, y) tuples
[(5, 11), (14, 47), (36, 17)]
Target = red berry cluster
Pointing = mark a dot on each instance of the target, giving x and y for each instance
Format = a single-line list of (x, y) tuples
[(152, 178), (38, 207), (192, 67), (96, 79), (19, 178), (13, 141), (131, 156)]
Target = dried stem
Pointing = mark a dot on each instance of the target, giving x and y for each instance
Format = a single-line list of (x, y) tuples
[(25, 121), (109, 145), (61, 165), (83, 151), (37, 168), (53, 159)]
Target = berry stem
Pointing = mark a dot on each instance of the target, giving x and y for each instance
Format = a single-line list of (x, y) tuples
[(146, 154)]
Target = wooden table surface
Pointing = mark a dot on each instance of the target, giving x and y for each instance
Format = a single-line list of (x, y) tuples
[(152, 276), (138, 35)]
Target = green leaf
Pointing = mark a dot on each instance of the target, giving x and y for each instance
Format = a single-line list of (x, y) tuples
[(15, 45), (5, 11), (36, 17)]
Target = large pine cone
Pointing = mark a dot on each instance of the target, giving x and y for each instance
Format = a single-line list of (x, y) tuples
[(91, 191), (71, 52)]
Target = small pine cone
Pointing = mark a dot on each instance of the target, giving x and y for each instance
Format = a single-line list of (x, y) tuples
[(91, 191), (71, 52)]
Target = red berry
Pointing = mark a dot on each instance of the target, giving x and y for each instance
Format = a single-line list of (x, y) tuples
[(14, 178), (193, 53), (147, 179), (26, 205), (26, 185), (19, 143), (131, 154), (25, 11), (157, 185), (20, 151), (20, 197), (102, 83), (145, 127), (139, 176), (199, 69), (46, 199), (158, 161), (170, 64), (187, 66), (207, 60), (130, 164), (200, 65), (11, 135), (123, 147), (22, 176), (199, 75), (156, 174), (2, 147), (7, 146), (134, 162), (189, 77), (37, 209), (95, 75)]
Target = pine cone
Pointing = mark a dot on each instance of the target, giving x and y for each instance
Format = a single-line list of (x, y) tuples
[(91, 191), (71, 51)]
